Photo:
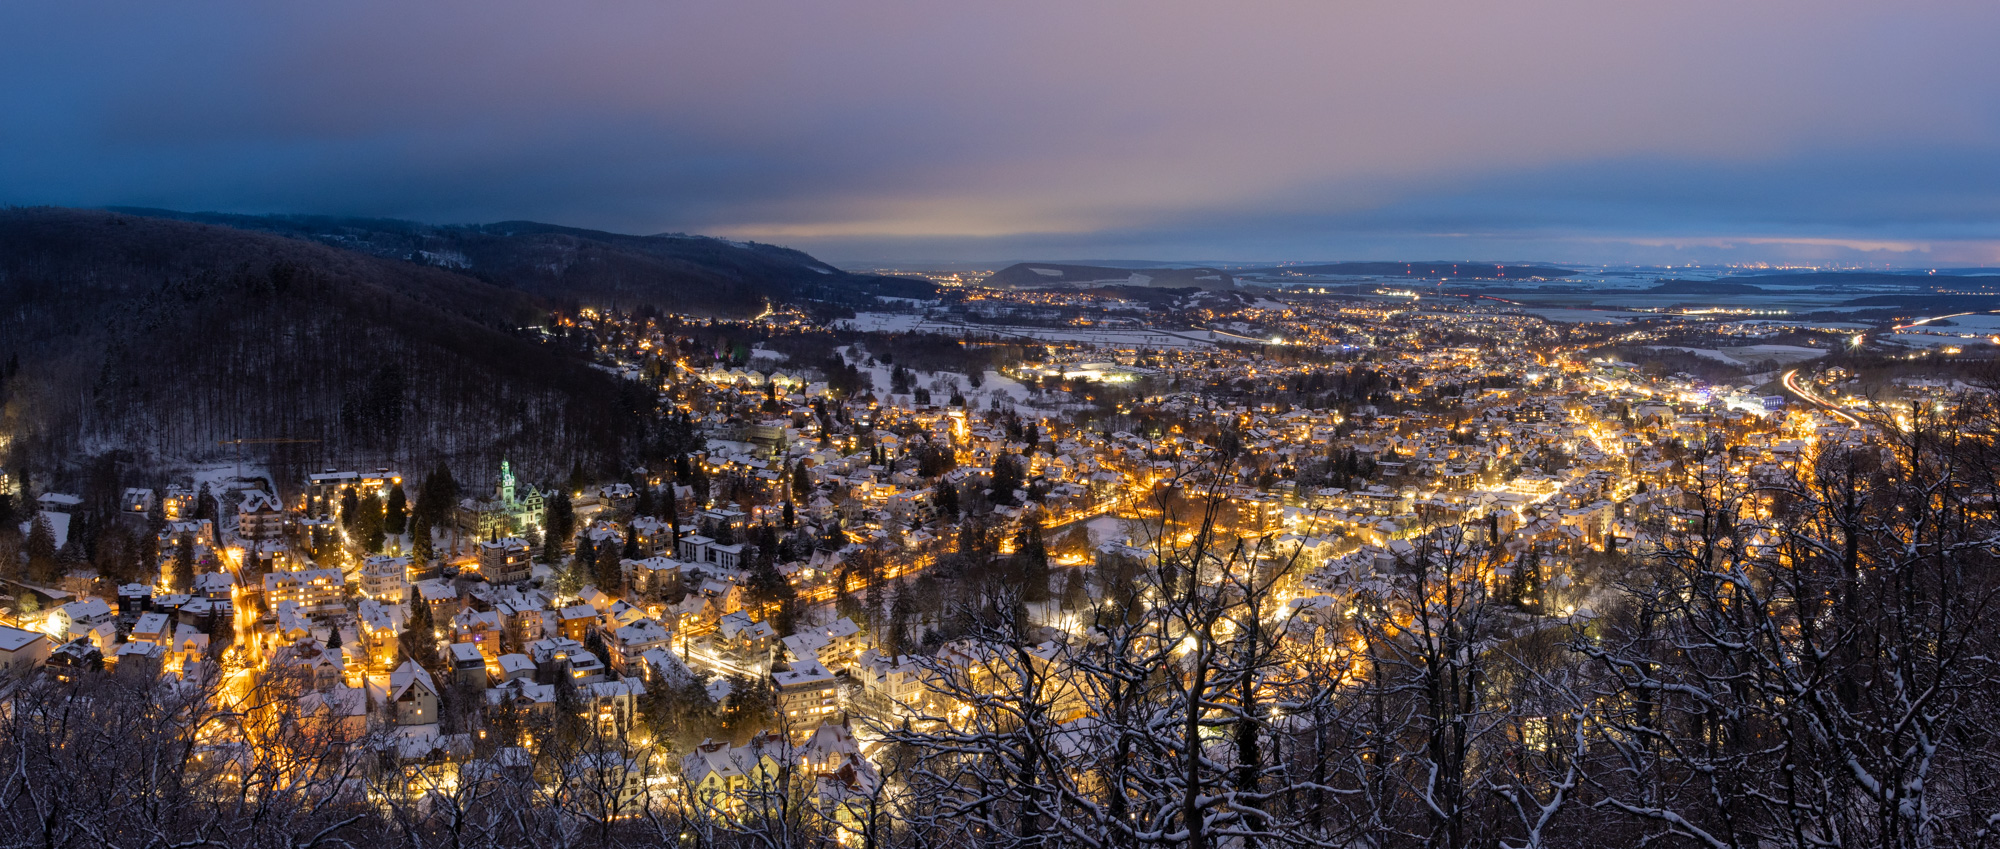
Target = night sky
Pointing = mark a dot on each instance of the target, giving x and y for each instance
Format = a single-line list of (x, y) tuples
[(1654, 132)]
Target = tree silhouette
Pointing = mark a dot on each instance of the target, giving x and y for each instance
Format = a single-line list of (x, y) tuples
[(183, 577), (418, 641), (609, 574), (368, 525), (395, 518), (41, 550)]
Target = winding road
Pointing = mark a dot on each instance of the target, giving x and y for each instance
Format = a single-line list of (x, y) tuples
[(1791, 381)]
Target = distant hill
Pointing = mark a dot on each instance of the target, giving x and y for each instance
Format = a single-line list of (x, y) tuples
[(157, 338), (1704, 287), (1041, 275), (1428, 270), (1920, 304), (694, 274), (1844, 279)]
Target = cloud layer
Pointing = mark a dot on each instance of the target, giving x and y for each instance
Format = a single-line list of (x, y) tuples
[(1586, 131)]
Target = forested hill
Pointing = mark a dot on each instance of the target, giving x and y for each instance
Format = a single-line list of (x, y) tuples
[(567, 265), (159, 338)]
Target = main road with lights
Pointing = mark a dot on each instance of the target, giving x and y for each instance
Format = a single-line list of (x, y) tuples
[(1791, 381)]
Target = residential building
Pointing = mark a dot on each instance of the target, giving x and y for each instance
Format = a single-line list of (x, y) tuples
[(505, 560), (21, 651), (386, 579), (807, 695), (414, 695), (260, 516)]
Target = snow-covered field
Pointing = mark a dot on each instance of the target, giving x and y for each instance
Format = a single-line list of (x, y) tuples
[(1927, 340), (1105, 529), (1943, 331), (879, 322), (1571, 315), (1784, 354), (1750, 355), (992, 384), (1971, 324)]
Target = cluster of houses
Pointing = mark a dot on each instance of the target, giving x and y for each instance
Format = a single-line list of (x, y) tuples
[(1551, 463)]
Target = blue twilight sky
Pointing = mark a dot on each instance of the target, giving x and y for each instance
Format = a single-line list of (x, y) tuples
[(1820, 131)]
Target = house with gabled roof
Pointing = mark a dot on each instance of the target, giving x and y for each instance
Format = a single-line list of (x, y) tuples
[(414, 695)]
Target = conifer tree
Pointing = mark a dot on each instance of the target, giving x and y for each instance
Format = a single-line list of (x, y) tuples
[(582, 567), (183, 577), (801, 482), (418, 641), (1075, 592), (422, 548), (1031, 559), (1007, 477), (609, 575), (437, 495), (368, 525), (41, 550), (396, 516), (946, 500), (570, 580), (559, 525), (698, 480), (872, 602), (769, 589), (902, 609)]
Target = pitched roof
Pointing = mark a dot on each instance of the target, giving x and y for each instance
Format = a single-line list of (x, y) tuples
[(406, 675), (16, 639)]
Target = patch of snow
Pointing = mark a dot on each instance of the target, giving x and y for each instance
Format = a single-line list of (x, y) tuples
[(1105, 529), (1783, 354), (446, 259), (1704, 353), (878, 322), (58, 526), (1923, 340)]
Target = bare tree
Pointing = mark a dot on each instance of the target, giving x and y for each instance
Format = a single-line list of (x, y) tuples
[(1804, 668)]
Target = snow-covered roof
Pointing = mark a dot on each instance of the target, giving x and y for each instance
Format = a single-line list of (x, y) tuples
[(406, 675)]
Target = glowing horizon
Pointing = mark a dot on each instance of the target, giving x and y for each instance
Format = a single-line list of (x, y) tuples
[(1697, 132)]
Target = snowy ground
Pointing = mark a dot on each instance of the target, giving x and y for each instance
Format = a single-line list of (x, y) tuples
[(1927, 340), (1704, 353), (1749, 355), (1784, 354), (1947, 330), (993, 384), (1583, 316), (878, 322), (1105, 529), (1971, 324)]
